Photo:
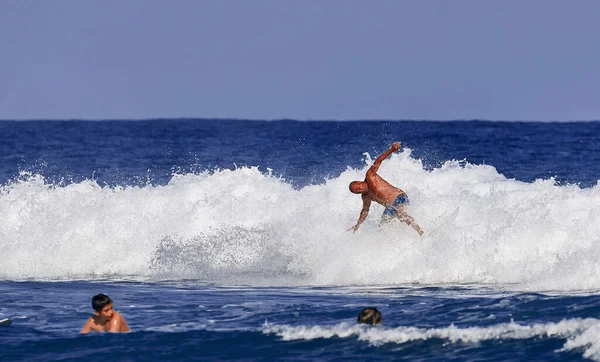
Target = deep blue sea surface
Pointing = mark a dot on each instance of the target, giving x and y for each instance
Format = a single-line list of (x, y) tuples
[(227, 240)]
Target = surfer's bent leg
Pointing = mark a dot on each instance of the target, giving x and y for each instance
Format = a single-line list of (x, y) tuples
[(388, 215), (403, 216)]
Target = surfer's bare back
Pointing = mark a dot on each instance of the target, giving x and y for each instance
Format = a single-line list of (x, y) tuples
[(375, 188)]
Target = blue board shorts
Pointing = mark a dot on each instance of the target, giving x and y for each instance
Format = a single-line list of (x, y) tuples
[(402, 199)]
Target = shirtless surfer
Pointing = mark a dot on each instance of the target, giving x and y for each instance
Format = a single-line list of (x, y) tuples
[(104, 319), (375, 188)]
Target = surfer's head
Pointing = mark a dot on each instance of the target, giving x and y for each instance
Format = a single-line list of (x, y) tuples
[(100, 301), (370, 316), (358, 187)]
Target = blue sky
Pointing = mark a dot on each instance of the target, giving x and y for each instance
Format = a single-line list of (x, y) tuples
[(326, 59)]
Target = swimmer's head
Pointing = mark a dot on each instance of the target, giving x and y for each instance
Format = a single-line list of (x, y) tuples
[(100, 301), (370, 316), (358, 187)]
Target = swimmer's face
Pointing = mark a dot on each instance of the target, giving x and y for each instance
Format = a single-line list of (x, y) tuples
[(106, 312)]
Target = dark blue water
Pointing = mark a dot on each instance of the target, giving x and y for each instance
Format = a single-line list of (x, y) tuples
[(210, 264), (185, 321), (137, 152)]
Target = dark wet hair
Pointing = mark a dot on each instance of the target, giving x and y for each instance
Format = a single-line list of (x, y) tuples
[(370, 316), (100, 301)]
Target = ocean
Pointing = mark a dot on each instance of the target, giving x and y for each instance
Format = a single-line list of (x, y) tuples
[(228, 240)]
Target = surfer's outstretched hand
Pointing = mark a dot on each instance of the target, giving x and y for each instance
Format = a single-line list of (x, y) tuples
[(396, 146)]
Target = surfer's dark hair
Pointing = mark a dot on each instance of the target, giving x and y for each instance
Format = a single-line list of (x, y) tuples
[(100, 301), (370, 316)]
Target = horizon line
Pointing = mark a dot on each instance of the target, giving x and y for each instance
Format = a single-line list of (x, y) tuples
[(284, 119)]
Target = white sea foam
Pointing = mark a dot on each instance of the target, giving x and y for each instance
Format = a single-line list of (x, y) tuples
[(246, 226), (582, 334)]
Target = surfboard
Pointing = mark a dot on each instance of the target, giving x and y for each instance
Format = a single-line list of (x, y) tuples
[(444, 224), (5, 322)]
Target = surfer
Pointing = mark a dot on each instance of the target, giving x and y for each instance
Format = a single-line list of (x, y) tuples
[(375, 188), (105, 319)]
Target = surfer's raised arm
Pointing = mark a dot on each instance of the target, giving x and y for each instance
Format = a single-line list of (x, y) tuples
[(395, 147)]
